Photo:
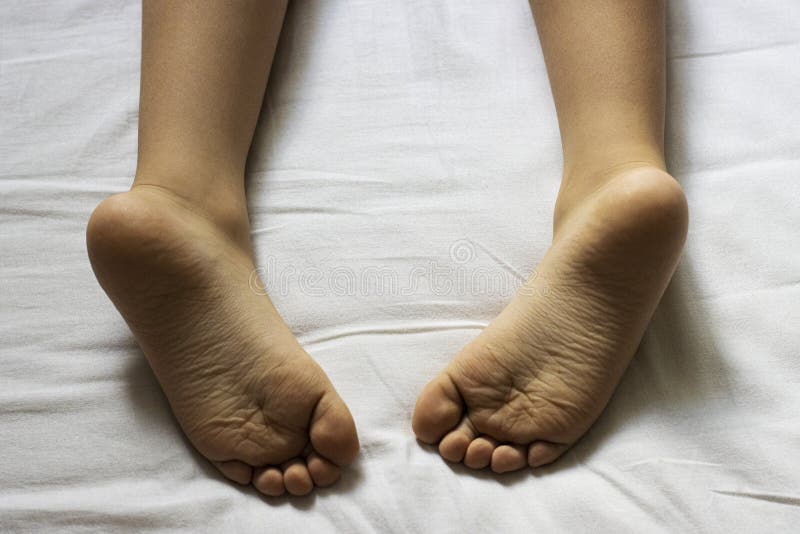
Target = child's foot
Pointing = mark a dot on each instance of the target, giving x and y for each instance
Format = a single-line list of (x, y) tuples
[(247, 395), (541, 373)]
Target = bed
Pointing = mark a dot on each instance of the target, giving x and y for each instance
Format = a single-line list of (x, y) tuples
[(397, 137)]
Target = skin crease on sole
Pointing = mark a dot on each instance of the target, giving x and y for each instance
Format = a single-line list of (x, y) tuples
[(533, 382), (248, 397)]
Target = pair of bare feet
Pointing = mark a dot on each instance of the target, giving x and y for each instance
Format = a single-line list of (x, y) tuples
[(254, 403)]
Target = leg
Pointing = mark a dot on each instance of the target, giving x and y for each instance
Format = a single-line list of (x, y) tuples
[(541, 373), (174, 255)]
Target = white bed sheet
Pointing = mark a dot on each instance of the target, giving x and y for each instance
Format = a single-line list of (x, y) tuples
[(396, 136)]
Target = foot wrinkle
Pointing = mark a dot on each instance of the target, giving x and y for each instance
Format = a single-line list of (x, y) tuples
[(241, 387), (544, 369)]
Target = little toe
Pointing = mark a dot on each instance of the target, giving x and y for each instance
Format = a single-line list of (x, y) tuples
[(454, 445), (507, 458), (479, 452), (333, 431), (323, 472), (296, 477), (235, 470), (269, 481), (544, 452), (438, 409)]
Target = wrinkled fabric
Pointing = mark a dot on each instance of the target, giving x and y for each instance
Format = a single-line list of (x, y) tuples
[(401, 185)]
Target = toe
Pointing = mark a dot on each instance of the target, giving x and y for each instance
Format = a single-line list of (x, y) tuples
[(269, 481), (323, 472), (235, 470), (297, 478), (454, 445), (507, 458), (544, 452), (479, 452), (438, 409), (332, 431)]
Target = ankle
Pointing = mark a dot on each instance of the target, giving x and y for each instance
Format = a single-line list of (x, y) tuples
[(587, 169), (606, 157), (643, 189), (222, 203)]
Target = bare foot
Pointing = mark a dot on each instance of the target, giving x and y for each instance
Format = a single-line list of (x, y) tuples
[(541, 373), (246, 394)]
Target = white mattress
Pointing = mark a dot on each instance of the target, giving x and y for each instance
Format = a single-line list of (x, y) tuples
[(397, 136)]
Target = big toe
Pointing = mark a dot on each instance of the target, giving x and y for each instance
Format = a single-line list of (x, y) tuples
[(333, 432), (438, 409)]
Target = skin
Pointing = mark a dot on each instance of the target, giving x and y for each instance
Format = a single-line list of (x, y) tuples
[(533, 382), (174, 255)]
